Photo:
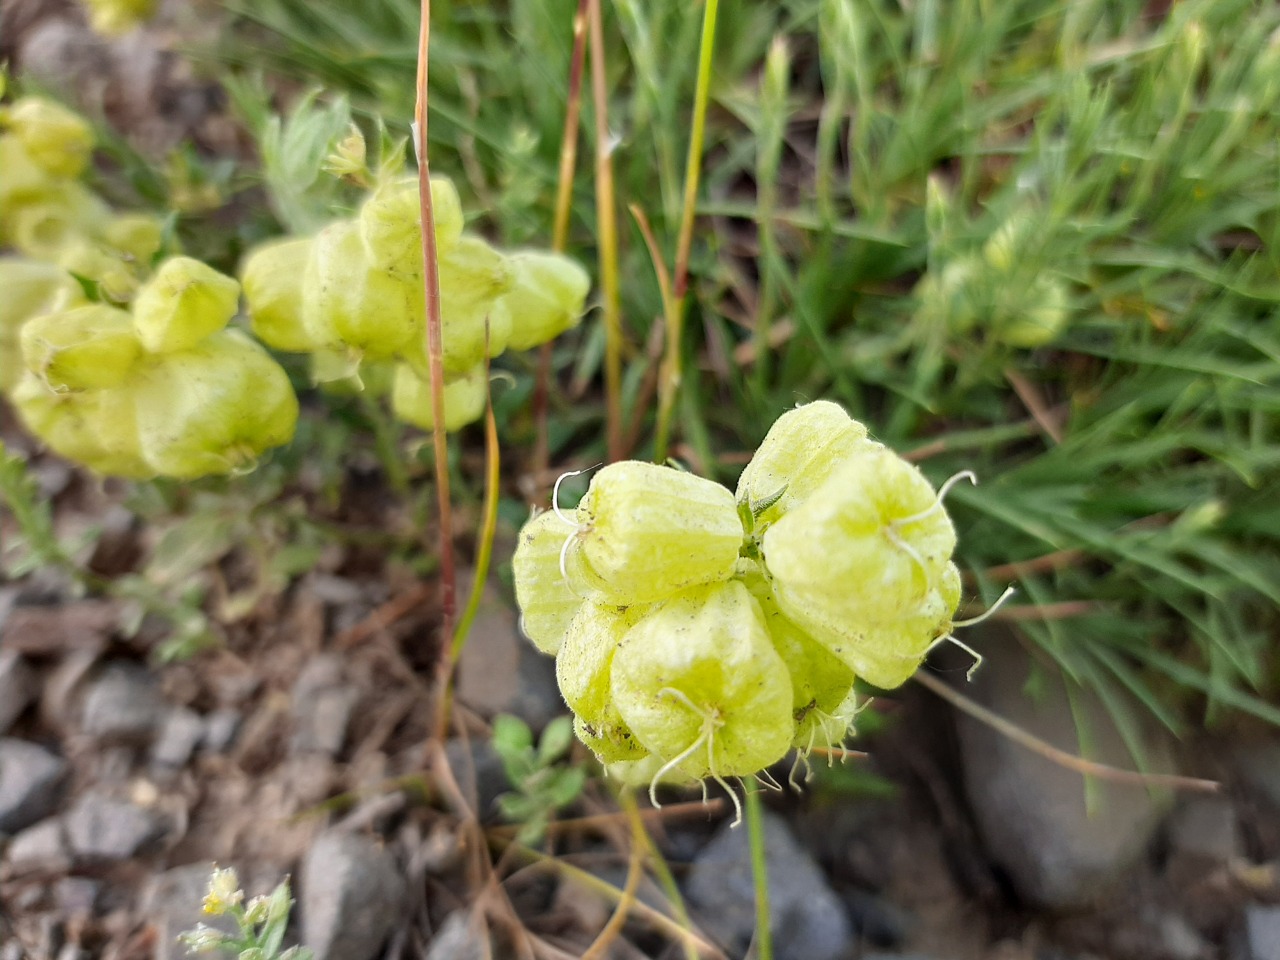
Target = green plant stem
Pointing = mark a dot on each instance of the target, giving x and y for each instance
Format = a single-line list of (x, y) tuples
[(760, 871), (435, 356), (671, 363), (607, 229)]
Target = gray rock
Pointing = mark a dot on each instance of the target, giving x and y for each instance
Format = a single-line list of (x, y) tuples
[(502, 672), (1060, 850), (1205, 828), (351, 898), (1261, 936), (30, 783), (460, 937), (220, 729), (18, 687), (321, 721), (123, 705), (102, 828), (180, 733), (322, 705), (76, 895), (808, 920), (479, 773), (173, 903), (39, 847)]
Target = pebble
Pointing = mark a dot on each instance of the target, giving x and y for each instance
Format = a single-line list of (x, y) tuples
[(180, 734), (809, 922), (220, 729), (352, 895), (1060, 851), (40, 847), (1261, 937), (122, 705), (76, 895), (30, 783), (322, 706), (18, 687), (321, 721), (479, 773), (502, 672), (460, 937), (102, 828)]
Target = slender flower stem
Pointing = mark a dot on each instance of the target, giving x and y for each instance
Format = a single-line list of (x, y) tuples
[(435, 356), (607, 228), (760, 872), (671, 364)]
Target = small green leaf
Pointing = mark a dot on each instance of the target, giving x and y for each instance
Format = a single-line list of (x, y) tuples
[(556, 740)]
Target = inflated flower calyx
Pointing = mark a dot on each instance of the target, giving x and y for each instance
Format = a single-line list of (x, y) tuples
[(583, 671), (821, 684), (801, 451), (547, 603), (473, 275), (547, 297), (59, 141), (272, 278), (83, 348), (869, 543), (348, 302), (464, 398), (30, 288), (97, 428), (182, 304), (391, 224), (42, 229), (114, 17), (24, 181), (646, 531), (700, 685), (115, 278), (212, 409)]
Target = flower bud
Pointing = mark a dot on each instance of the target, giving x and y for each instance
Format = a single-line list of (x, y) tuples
[(357, 304), (391, 224), (464, 398), (583, 666), (84, 348), (547, 298), (648, 531), (116, 279), (272, 277), (700, 685), (867, 545), (57, 139), (1039, 316), (801, 451), (213, 409), (138, 236), (182, 304)]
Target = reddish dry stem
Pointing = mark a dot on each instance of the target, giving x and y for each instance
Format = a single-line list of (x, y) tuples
[(435, 356)]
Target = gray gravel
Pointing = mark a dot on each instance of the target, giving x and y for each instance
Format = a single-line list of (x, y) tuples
[(31, 779)]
